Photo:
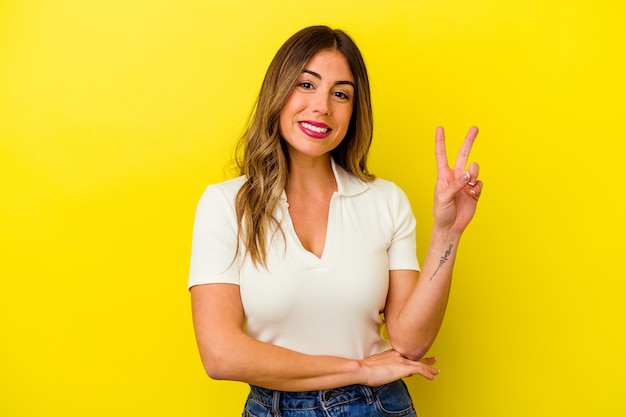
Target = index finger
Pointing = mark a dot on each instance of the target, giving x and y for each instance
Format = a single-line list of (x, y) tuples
[(466, 147), (440, 149)]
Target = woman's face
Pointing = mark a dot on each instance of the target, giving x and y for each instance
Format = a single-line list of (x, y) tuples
[(316, 116)]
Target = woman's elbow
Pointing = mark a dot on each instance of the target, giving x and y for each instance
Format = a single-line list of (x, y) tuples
[(217, 366), (413, 353), (412, 350), (214, 371)]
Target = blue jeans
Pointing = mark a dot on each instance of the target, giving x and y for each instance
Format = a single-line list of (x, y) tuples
[(391, 399)]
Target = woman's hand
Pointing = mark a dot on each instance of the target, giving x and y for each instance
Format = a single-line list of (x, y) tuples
[(389, 366), (457, 189)]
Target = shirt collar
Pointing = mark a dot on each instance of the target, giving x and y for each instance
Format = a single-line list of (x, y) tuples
[(347, 184)]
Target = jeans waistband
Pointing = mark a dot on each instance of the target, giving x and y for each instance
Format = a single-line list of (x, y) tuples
[(286, 400)]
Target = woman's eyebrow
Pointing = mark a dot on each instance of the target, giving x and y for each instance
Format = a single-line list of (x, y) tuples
[(319, 77)]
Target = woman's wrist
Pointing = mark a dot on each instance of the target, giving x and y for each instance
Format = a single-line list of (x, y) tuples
[(360, 371)]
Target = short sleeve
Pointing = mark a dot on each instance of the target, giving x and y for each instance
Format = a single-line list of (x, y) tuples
[(402, 249), (214, 240)]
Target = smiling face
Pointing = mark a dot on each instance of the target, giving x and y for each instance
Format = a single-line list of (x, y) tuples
[(316, 116)]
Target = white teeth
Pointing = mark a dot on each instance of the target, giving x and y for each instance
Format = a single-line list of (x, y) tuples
[(314, 128)]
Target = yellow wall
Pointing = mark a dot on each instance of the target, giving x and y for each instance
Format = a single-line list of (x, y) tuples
[(114, 115)]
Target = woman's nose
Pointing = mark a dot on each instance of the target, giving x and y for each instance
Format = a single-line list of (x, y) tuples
[(321, 103)]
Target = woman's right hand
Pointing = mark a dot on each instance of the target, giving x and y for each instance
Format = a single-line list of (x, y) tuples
[(389, 366)]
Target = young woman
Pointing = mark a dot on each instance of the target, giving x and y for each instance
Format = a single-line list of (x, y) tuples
[(294, 261)]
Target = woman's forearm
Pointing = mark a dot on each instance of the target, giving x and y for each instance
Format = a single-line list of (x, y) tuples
[(273, 367), (242, 358), (416, 323), (416, 304)]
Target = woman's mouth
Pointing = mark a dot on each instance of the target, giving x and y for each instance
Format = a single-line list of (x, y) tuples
[(315, 130)]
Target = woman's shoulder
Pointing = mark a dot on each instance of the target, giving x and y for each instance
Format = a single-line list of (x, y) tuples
[(385, 186), (388, 193), (226, 187), (224, 192)]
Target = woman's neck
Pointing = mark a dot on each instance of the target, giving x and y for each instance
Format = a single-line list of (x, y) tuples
[(311, 176)]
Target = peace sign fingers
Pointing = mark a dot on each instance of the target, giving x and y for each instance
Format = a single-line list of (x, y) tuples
[(457, 188)]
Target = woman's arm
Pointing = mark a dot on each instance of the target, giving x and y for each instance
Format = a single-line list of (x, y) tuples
[(416, 303), (228, 353)]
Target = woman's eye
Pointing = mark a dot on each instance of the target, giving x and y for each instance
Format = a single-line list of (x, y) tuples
[(341, 95), (306, 85)]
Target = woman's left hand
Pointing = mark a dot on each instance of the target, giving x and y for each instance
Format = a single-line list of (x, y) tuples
[(457, 189)]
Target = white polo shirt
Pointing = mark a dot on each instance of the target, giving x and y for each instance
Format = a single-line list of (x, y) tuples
[(320, 306)]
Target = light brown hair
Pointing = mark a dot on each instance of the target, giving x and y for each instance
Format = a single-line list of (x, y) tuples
[(261, 152)]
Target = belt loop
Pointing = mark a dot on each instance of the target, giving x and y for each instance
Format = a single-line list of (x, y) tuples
[(367, 392), (275, 411)]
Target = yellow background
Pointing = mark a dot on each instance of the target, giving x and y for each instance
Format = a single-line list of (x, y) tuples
[(114, 115)]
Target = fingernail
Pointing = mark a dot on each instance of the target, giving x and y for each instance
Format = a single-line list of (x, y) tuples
[(466, 176)]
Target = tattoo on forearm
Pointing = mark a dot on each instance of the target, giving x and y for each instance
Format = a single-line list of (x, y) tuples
[(442, 260)]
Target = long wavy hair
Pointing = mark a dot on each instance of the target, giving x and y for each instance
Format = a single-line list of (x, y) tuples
[(262, 155)]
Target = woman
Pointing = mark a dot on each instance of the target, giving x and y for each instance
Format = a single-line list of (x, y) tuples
[(294, 262)]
